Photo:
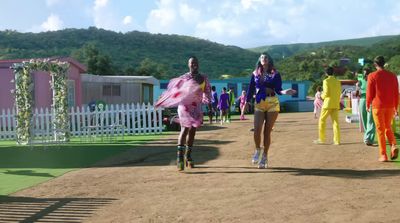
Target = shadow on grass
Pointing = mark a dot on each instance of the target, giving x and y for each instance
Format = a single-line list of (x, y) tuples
[(75, 155), (27, 173), (162, 155), (27, 209)]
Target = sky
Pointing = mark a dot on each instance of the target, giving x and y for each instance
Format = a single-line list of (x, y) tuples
[(243, 23)]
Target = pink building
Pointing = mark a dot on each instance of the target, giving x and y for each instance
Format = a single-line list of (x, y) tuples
[(42, 93)]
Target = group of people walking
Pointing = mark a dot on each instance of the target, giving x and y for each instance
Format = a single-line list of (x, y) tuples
[(378, 93), (189, 91), (225, 105)]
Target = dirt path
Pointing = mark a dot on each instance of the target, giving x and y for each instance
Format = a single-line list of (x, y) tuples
[(305, 182)]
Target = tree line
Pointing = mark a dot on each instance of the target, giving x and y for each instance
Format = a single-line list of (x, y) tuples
[(165, 56), (134, 53)]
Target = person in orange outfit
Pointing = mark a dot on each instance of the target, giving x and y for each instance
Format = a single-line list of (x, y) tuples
[(383, 97)]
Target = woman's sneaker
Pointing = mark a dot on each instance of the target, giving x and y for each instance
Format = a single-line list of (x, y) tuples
[(263, 162), (256, 156)]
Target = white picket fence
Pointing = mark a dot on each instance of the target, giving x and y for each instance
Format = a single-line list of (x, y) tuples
[(126, 119)]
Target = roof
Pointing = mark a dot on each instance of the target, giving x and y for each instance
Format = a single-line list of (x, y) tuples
[(348, 82), (119, 79), (9, 63)]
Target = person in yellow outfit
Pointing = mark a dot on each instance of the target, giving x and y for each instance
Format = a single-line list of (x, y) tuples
[(330, 107)]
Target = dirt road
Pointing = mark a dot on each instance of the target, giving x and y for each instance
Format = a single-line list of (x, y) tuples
[(304, 183)]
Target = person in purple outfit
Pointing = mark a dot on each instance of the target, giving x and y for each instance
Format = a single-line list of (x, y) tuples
[(188, 92), (223, 105), (214, 105), (266, 84)]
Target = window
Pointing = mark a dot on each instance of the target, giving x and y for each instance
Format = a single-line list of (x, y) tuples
[(112, 90), (116, 90), (106, 90), (147, 92)]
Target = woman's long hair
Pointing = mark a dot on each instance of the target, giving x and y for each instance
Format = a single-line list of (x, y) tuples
[(260, 69)]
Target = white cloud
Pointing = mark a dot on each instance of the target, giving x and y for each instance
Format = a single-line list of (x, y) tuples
[(102, 15), (162, 19), (188, 14), (255, 4), (296, 11), (98, 4), (127, 20), (246, 4), (166, 2), (395, 18), (277, 29), (219, 27), (52, 23), (245, 23), (382, 28), (107, 15), (395, 13), (249, 23)]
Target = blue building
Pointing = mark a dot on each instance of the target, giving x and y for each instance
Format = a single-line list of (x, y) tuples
[(242, 83)]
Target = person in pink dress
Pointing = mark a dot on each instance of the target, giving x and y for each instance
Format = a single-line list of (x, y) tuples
[(243, 102), (318, 102), (188, 92)]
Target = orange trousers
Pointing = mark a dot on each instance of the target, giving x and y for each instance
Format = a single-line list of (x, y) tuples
[(383, 121)]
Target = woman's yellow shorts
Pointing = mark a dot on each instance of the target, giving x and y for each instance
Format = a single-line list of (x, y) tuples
[(270, 104)]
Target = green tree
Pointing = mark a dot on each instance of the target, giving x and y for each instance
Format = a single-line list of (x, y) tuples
[(147, 67), (303, 66), (394, 64), (96, 62)]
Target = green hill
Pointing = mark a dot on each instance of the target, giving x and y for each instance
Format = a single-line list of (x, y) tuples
[(132, 53), (309, 64), (279, 52), (165, 56)]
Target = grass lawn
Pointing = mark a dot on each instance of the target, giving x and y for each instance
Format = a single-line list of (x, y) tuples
[(23, 166)]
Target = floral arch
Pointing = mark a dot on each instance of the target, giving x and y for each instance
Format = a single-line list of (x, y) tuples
[(24, 101)]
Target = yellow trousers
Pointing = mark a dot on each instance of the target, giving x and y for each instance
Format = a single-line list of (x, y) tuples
[(383, 121), (334, 114)]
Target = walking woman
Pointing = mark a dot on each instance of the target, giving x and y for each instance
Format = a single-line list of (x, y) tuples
[(266, 84), (243, 103), (187, 92), (318, 102)]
